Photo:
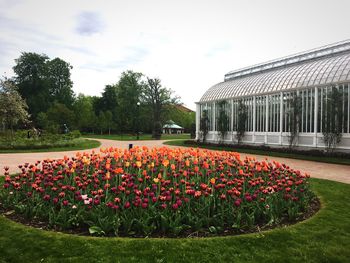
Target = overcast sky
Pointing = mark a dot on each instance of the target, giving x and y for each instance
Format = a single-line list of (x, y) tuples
[(189, 45)]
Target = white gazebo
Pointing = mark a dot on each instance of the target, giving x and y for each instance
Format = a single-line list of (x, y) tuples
[(172, 128)]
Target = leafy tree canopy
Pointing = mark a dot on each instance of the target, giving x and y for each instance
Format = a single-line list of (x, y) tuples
[(13, 108), (129, 91), (42, 81), (60, 84), (156, 96), (85, 117)]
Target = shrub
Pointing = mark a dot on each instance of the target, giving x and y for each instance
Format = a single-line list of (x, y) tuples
[(312, 152), (204, 126), (22, 141), (73, 134), (241, 121), (158, 191)]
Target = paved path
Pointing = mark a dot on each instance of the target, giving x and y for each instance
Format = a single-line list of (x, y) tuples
[(336, 172), (12, 160)]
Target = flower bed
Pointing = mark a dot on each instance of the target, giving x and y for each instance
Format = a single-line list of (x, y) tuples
[(158, 191)]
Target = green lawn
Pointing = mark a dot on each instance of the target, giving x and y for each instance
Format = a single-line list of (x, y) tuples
[(128, 137), (79, 144), (323, 238), (268, 153)]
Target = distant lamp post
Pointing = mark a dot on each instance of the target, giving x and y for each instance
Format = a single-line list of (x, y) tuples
[(137, 120)]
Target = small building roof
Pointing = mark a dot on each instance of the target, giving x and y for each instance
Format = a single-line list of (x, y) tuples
[(183, 108), (172, 125)]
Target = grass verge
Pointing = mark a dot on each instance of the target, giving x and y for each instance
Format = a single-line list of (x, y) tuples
[(142, 137), (267, 153), (80, 144), (323, 238)]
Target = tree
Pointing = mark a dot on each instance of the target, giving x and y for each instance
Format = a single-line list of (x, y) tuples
[(13, 108), (42, 81), (294, 117), (204, 125), (31, 72), (332, 119), (109, 100), (129, 89), (157, 97), (102, 122), (60, 84), (223, 120), (241, 121), (85, 116), (109, 121), (58, 115), (42, 120), (180, 116)]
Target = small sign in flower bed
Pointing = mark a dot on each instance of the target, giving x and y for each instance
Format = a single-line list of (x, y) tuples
[(157, 192)]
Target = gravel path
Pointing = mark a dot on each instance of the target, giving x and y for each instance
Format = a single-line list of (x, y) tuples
[(335, 172)]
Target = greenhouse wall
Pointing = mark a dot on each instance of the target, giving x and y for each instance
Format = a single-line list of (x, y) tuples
[(269, 117), (306, 95)]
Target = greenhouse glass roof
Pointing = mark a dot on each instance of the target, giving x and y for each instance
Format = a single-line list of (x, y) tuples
[(323, 66)]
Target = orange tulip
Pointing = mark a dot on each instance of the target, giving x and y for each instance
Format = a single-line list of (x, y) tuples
[(119, 170), (165, 162), (205, 165)]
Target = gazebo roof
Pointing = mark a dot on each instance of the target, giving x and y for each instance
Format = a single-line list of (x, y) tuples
[(172, 126)]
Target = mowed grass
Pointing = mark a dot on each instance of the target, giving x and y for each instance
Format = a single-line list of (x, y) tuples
[(128, 137), (75, 145), (323, 238), (267, 153)]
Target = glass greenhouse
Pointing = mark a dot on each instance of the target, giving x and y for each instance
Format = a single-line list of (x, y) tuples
[(303, 94)]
